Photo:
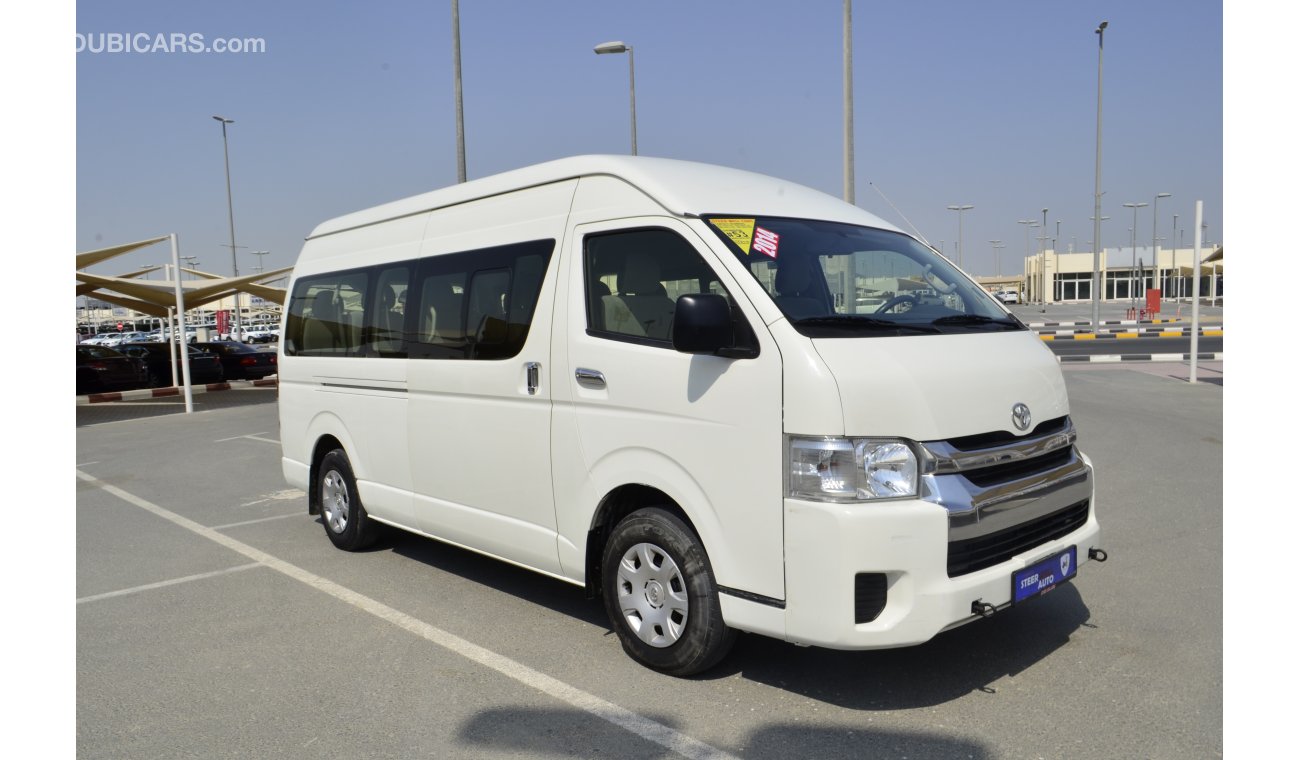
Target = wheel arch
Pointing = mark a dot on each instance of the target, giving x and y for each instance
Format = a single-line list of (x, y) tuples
[(616, 505), (324, 445)]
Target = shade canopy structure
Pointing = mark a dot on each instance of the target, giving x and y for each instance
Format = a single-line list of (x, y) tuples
[(104, 254), (153, 297), (1209, 264)]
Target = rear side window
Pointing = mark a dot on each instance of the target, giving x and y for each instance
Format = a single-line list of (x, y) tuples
[(326, 314), (468, 305)]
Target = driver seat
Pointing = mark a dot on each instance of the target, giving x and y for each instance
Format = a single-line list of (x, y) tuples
[(795, 292)]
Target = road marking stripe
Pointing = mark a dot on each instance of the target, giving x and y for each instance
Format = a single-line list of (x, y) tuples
[(163, 584), (250, 436), (638, 724), (237, 437), (258, 520)]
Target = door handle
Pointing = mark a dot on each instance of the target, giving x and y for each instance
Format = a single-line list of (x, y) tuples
[(589, 378), (534, 372)]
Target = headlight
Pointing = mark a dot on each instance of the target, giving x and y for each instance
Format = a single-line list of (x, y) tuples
[(852, 469)]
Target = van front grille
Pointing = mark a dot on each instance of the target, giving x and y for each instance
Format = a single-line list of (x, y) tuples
[(998, 474), (972, 554)]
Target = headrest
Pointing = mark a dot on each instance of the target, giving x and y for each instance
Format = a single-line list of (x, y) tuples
[(641, 277), (322, 305), (794, 278)]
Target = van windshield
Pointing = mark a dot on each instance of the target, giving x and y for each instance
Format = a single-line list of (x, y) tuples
[(841, 280)]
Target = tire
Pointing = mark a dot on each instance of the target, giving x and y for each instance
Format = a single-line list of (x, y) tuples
[(660, 594), (346, 522)]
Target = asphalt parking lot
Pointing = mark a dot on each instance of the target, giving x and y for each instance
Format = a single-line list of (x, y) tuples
[(214, 619)]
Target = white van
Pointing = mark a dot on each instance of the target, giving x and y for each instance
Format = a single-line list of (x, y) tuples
[(662, 381)]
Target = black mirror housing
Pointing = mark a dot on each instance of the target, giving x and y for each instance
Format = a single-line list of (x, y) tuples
[(702, 324)]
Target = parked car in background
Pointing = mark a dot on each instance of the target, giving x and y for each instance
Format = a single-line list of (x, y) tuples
[(204, 367), (100, 368), (1007, 296), (262, 334), (240, 360), (98, 340)]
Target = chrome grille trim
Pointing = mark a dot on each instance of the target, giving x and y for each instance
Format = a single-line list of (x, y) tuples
[(943, 458), (997, 503)]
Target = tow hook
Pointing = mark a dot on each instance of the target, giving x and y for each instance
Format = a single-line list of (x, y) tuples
[(982, 608), (1098, 555)]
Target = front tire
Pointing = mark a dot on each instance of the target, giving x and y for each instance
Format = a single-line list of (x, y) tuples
[(660, 594), (346, 522)]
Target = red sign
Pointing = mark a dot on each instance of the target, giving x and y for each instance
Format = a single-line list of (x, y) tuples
[(223, 321)]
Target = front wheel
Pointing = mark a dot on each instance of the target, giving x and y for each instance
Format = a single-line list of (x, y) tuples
[(660, 594), (346, 522)]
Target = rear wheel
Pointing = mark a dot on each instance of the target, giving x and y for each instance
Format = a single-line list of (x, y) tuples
[(346, 522), (660, 594)]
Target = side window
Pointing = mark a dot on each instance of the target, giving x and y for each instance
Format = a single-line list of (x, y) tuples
[(386, 312), (325, 315), (477, 304), (634, 278)]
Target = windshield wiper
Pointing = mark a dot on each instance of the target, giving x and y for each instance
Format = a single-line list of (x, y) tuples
[(851, 320), (973, 319)]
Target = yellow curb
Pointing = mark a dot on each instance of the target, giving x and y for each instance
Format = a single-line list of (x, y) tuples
[(1047, 337), (1121, 336), (1170, 334), (1212, 333), (1088, 336)]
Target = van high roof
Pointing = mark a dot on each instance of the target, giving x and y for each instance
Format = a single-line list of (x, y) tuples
[(683, 188)]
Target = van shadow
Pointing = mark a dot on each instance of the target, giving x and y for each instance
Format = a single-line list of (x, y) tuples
[(569, 732), (525, 585), (952, 665)]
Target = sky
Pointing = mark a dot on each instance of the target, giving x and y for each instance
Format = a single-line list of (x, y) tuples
[(352, 105)]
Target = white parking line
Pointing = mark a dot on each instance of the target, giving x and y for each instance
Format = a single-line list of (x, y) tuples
[(163, 584), (640, 725), (258, 520), (236, 437), (250, 436)]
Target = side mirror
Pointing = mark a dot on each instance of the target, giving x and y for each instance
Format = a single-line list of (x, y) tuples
[(702, 324)]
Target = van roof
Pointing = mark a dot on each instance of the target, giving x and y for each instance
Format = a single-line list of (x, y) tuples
[(683, 188)]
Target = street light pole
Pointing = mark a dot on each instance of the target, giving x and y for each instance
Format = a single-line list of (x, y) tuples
[(997, 256), (1155, 226), (259, 255), (230, 208), (1042, 265), (606, 48), (1100, 31), (959, 209), (1029, 291), (1133, 236), (460, 104), (1178, 281), (848, 103)]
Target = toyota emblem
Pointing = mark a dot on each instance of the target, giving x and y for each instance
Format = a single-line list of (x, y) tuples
[(1021, 417)]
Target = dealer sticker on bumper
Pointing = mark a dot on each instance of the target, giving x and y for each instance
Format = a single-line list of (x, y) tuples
[(1043, 576)]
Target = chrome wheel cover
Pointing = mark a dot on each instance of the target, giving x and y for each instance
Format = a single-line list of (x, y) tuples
[(334, 501), (652, 595)]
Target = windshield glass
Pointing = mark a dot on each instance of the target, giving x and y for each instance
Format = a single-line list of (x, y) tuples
[(841, 280)]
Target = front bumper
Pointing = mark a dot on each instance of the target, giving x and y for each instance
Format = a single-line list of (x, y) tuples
[(827, 545)]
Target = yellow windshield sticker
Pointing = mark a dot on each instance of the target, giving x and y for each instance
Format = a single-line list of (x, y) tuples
[(740, 231)]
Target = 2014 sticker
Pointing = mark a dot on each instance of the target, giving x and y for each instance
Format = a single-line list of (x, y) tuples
[(766, 241)]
